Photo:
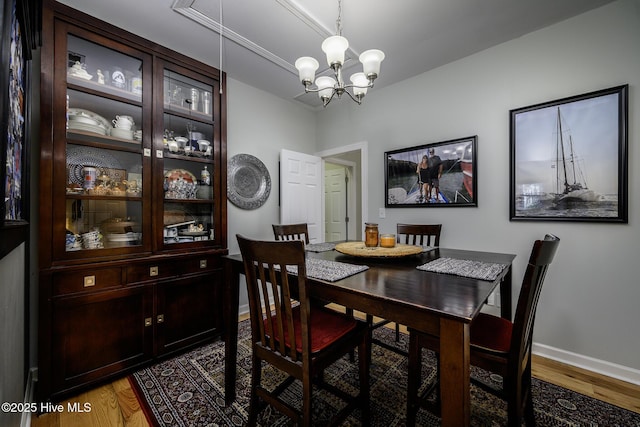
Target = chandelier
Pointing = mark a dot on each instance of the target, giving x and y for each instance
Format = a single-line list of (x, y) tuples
[(327, 87)]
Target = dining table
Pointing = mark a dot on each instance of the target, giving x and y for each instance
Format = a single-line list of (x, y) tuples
[(400, 289)]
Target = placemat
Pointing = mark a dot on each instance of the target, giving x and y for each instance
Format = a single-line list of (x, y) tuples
[(330, 271), (320, 247), (465, 268)]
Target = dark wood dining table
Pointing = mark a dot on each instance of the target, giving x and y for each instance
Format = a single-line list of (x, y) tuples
[(393, 288)]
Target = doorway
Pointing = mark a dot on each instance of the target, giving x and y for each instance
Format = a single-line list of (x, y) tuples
[(347, 166)]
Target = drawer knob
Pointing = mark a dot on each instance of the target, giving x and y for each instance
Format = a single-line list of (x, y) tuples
[(203, 263), (153, 271), (148, 321), (89, 281), (160, 318)]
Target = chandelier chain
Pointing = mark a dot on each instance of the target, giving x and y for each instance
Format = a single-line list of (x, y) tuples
[(339, 20)]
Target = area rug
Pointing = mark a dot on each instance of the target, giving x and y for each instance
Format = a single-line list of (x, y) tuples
[(188, 390)]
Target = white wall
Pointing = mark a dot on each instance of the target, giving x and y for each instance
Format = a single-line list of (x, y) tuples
[(590, 303), (12, 332), (261, 124)]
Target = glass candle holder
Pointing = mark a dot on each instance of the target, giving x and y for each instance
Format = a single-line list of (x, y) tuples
[(388, 240), (370, 234)]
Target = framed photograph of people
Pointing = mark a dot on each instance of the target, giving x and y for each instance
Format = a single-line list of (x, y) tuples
[(442, 174), (569, 159)]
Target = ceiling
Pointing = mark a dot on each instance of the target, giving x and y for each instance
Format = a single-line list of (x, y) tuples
[(263, 38)]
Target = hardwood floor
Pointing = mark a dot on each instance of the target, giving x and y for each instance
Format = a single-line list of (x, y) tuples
[(113, 404), (116, 404)]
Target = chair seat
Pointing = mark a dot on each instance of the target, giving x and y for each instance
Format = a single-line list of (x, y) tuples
[(491, 332), (327, 326)]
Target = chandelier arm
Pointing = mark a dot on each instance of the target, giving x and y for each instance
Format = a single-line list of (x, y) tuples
[(326, 102), (357, 100), (368, 86)]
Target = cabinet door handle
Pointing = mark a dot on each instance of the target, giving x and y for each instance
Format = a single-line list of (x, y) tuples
[(160, 318), (89, 281), (148, 321)]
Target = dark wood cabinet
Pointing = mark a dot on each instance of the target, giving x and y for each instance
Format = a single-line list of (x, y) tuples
[(97, 334), (132, 202)]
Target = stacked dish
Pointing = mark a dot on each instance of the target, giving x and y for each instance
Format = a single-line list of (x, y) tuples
[(88, 121), (122, 133)]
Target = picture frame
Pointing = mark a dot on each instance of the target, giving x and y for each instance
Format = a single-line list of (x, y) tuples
[(569, 159), (21, 32), (404, 180)]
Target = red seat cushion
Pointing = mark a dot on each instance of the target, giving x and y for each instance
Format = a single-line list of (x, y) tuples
[(326, 327), (491, 332)]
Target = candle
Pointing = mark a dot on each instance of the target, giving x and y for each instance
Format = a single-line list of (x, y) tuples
[(388, 240)]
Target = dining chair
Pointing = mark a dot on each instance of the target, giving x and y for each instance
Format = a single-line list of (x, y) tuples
[(498, 345), (291, 232), (409, 234), (295, 336)]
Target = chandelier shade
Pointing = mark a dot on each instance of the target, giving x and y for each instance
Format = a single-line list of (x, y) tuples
[(307, 67), (335, 47), (371, 60), (327, 87)]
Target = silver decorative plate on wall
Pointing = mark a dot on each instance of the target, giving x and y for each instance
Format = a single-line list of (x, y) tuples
[(248, 181)]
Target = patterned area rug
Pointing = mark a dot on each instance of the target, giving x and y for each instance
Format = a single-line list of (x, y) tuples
[(188, 390)]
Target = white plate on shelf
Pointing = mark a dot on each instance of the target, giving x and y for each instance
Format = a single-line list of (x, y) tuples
[(76, 125), (81, 112), (84, 119)]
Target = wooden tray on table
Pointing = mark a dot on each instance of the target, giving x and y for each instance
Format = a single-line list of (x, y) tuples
[(360, 250)]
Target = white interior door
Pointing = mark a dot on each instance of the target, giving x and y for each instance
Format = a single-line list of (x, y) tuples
[(335, 188), (301, 192)]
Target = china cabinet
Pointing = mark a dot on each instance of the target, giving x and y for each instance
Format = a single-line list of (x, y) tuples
[(132, 202)]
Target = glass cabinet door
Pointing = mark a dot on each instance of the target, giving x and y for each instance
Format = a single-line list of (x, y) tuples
[(188, 152), (106, 160)]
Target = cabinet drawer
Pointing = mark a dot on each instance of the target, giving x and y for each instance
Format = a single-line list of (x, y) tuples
[(69, 282), (178, 267)]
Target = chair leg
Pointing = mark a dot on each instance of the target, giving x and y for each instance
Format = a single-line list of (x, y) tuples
[(306, 400), (513, 392), (397, 332), (349, 312), (369, 320), (254, 404), (529, 415), (414, 379), (364, 359)]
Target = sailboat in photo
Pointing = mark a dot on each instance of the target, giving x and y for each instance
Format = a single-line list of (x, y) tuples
[(571, 184)]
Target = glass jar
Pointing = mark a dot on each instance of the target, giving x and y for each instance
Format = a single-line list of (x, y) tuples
[(370, 234), (387, 240)]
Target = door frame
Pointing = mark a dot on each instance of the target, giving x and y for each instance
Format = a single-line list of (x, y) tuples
[(362, 147), (351, 209)]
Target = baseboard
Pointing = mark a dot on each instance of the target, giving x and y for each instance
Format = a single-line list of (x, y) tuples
[(622, 373), (243, 309), (32, 378)]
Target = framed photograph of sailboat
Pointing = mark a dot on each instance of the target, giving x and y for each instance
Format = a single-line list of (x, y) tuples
[(569, 159), (441, 174)]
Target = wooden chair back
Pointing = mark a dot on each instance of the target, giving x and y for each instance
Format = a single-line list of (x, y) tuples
[(419, 234), (291, 232), (287, 336), (497, 345), (268, 282), (542, 255), (514, 364)]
